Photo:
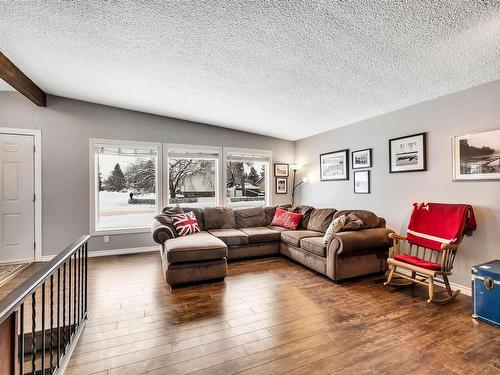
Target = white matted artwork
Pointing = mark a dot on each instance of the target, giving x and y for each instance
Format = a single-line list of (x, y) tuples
[(408, 154), (476, 156), (362, 182), (281, 185), (334, 165)]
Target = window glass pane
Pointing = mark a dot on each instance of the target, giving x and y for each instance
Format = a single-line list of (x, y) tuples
[(126, 191), (192, 181), (246, 183)]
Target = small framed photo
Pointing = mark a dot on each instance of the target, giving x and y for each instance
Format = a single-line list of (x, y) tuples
[(334, 166), (362, 182), (280, 170), (281, 185), (408, 154), (476, 156), (362, 159)]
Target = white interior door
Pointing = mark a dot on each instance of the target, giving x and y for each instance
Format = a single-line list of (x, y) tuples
[(17, 208)]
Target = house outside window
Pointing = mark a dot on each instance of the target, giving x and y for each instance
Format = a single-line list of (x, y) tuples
[(193, 175), (125, 191), (247, 177)]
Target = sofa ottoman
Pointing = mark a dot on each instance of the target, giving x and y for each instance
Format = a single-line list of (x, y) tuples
[(193, 258)]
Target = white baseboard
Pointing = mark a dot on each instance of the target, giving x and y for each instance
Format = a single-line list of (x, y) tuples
[(104, 253)]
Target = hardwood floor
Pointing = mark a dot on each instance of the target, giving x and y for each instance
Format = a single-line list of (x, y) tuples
[(272, 316)]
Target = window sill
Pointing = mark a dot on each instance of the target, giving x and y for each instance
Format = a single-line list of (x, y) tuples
[(106, 232)]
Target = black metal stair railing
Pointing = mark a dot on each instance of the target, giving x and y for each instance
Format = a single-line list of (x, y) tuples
[(42, 317)]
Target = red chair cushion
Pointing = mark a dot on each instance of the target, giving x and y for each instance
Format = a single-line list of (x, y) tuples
[(286, 219), (410, 259)]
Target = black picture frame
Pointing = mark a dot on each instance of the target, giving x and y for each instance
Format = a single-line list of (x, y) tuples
[(281, 165), (276, 185), (364, 166), (345, 153), (368, 176), (423, 168)]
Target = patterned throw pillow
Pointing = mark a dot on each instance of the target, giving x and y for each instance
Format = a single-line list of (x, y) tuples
[(335, 226), (286, 219), (185, 223)]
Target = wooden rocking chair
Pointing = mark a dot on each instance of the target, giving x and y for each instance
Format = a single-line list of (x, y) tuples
[(426, 266), (427, 253)]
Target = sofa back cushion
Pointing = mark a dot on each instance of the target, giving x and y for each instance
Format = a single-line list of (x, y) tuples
[(250, 217), (269, 213), (369, 219), (306, 211), (218, 218), (320, 219)]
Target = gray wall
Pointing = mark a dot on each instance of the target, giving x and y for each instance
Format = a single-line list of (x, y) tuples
[(66, 127), (474, 109)]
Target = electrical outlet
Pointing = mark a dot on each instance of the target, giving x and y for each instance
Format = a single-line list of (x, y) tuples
[(106, 238)]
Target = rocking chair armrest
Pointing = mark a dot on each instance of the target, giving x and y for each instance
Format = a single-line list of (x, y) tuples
[(396, 236)]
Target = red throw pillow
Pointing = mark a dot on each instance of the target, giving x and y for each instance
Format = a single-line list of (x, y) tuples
[(286, 219), (185, 223)]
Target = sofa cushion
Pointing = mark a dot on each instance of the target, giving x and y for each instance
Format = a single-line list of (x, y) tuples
[(314, 245), (218, 218), (286, 219), (320, 219), (261, 234), (249, 217), (230, 236), (195, 247), (279, 229), (306, 211), (369, 219), (352, 222), (293, 237)]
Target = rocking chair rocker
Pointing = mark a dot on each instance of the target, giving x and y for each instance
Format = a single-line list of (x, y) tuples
[(425, 253)]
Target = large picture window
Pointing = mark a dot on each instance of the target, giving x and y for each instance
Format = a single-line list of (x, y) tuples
[(247, 177), (125, 193), (193, 175)]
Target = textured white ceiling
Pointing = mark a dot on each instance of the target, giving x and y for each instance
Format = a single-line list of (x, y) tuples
[(283, 68)]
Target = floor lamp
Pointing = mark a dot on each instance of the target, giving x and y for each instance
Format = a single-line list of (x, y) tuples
[(304, 180)]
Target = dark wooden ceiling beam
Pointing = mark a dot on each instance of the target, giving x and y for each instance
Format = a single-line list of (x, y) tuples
[(18, 80)]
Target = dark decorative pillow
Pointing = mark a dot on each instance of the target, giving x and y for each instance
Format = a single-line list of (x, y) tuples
[(185, 223), (352, 222)]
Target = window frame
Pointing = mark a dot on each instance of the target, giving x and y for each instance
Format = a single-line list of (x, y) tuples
[(93, 183), (249, 151), (194, 148)]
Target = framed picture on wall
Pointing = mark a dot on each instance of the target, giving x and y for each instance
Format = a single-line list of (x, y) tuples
[(476, 156), (280, 170), (362, 182), (334, 165), (362, 159), (408, 154), (281, 185)]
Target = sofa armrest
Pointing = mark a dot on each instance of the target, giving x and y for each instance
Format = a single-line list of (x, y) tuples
[(161, 232), (349, 242)]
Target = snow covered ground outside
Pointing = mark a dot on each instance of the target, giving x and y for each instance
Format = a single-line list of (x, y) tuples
[(115, 211)]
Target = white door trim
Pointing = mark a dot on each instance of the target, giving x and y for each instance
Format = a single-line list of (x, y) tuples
[(37, 139)]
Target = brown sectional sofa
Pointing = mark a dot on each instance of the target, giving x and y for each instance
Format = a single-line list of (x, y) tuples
[(229, 234)]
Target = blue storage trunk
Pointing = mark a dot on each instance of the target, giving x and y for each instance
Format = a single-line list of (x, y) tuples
[(486, 292)]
